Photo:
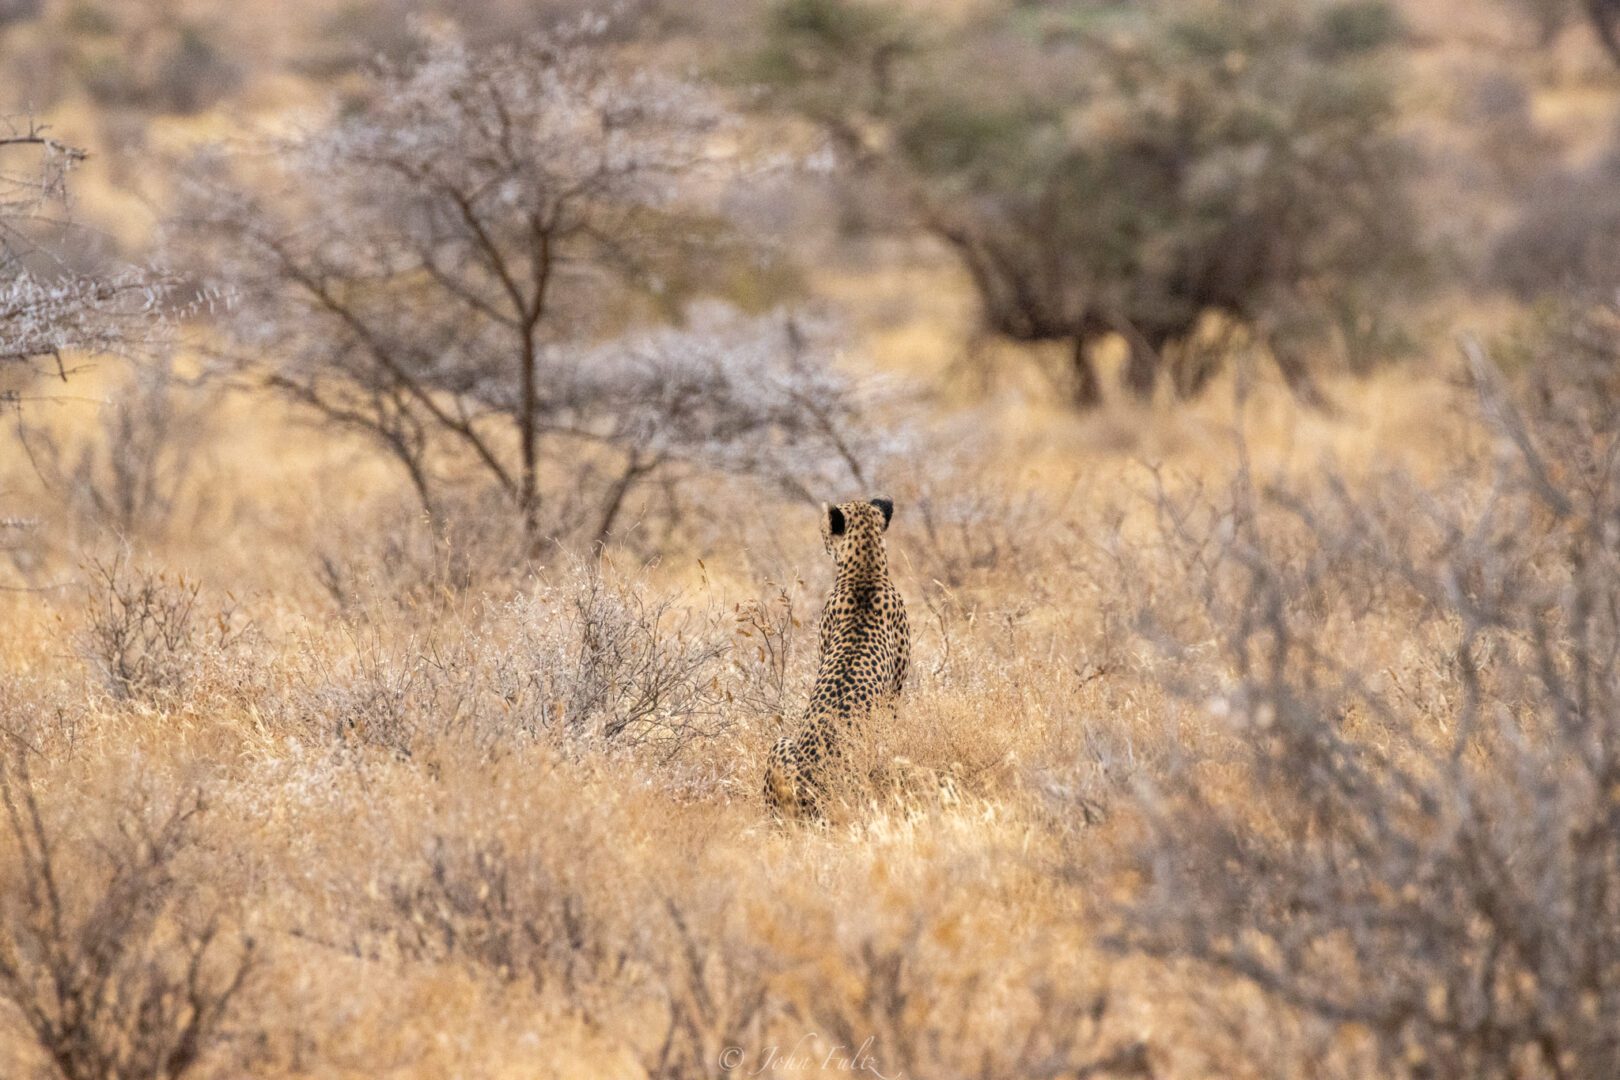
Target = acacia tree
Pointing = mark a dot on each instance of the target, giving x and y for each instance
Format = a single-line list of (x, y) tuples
[(54, 310), (440, 265), (49, 308), (1108, 168)]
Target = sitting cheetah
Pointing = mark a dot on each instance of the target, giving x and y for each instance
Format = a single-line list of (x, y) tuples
[(865, 649)]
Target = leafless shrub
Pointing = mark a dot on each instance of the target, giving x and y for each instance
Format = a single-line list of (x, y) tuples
[(636, 671), (605, 659), (590, 662), (128, 477), (900, 1003), (1431, 864), (716, 989), (145, 636), (111, 960), (511, 913), (773, 653)]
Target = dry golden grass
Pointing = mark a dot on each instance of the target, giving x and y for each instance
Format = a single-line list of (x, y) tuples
[(457, 897)]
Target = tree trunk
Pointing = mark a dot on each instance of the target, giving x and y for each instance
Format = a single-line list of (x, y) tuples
[(1087, 387), (529, 422), (634, 470), (1605, 18), (1197, 364), (1142, 367), (1298, 377), (530, 314), (1146, 355)]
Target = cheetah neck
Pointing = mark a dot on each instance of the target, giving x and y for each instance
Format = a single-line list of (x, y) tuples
[(870, 567)]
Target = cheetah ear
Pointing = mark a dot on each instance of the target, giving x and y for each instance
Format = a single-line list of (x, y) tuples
[(887, 506), (835, 519)]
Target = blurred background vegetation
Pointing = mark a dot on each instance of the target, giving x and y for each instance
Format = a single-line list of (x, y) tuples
[(1326, 183)]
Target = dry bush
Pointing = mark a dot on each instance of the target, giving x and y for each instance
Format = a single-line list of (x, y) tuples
[(591, 661), (113, 960), (145, 635), (642, 670), (714, 977), (521, 915), (1424, 859), (129, 475), (775, 654), (391, 554)]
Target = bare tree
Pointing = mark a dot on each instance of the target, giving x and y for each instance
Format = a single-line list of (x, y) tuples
[(48, 309), (436, 266)]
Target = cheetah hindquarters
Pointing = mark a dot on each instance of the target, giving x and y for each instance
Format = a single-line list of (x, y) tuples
[(789, 788)]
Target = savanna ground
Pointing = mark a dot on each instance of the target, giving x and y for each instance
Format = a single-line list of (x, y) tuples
[(1245, 737)]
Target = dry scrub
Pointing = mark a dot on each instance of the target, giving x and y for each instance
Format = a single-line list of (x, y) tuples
[(1220, 767)]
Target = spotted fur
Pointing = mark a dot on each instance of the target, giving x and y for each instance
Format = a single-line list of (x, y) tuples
[(865, 651)]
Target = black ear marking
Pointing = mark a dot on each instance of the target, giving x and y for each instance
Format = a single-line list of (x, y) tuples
[(887, 506), (835, 521)]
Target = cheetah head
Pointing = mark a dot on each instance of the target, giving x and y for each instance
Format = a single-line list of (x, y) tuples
[(850, 530)]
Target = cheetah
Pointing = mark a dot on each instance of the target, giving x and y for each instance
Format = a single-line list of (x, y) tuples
[(865, 651)]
